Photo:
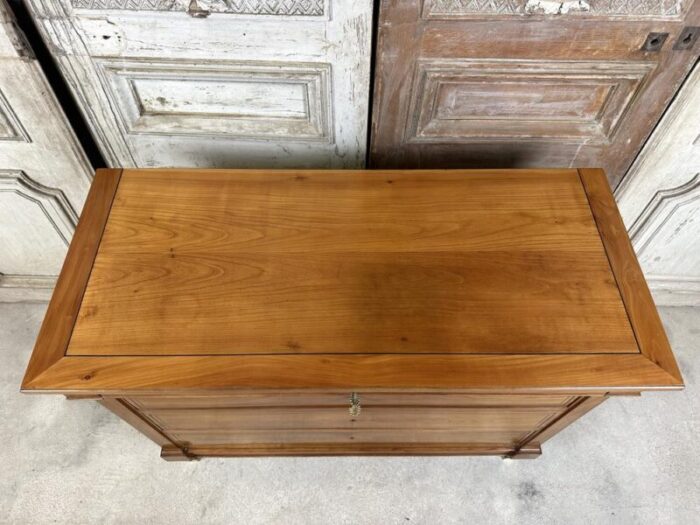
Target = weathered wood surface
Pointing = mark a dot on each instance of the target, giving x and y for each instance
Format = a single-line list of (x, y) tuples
[(44, 174), (660, 201), (467, 84), (253, 84)]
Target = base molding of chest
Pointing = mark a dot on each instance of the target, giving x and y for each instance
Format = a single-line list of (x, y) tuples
[(387, 424), (173, 453)]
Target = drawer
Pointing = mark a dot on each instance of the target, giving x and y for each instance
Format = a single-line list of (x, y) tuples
[(324, 418), (339, 399), (374, 424)]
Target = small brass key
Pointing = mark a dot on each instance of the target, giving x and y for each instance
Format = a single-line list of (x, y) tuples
[(355, 407)]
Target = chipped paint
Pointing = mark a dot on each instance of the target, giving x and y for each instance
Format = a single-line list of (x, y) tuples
[(280, 91), (546, 7)]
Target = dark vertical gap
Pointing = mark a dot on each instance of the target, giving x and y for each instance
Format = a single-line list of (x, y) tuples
[(55, 79), (372, 82)]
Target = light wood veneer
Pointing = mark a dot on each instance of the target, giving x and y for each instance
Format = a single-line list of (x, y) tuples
[(258, 312)]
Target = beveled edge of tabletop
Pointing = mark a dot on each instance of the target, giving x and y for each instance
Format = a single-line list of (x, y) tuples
[(51, 371), (641, 310), (62, 313)]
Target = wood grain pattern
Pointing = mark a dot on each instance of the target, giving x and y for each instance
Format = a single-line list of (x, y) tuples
[(57, 328), (474, 85), (334, 262), (232, 313), (282, 398), (346, 449), (137, 420), (239, 264), (466, 372), (319, 422), (640, 307), (244, 424), (635, 292), (504, 425), (577, 409)]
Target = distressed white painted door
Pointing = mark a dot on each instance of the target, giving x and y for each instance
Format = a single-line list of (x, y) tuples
[(44, 175), (660, 201), (223, 83)]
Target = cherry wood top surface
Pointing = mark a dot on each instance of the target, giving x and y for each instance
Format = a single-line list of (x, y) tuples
[(215, 262), (201, 280)]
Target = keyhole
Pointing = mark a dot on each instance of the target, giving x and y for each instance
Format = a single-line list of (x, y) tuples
[(654, 41)]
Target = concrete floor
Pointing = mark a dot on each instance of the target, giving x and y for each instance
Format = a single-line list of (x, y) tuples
[(631, 461)]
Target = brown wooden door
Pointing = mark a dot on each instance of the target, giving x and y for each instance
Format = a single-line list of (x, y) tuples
[(518, 83)]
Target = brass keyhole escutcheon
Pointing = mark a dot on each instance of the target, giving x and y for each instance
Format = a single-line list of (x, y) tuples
[(355, 407)]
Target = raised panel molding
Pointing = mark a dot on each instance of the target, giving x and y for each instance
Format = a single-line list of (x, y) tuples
[(461, 9), (675, 291), (290, 102), (51, 201), (121, 67), (656, 214), (26, 288), (312, 8), (665, 236), (37, 225), (469, 100), (11, 128), (659, 200), (44, 173)]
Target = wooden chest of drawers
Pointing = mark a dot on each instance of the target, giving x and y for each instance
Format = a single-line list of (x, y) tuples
[(234, 313)]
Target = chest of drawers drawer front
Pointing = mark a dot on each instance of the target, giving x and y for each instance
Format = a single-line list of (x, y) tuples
[(325, 419), (340, 399)]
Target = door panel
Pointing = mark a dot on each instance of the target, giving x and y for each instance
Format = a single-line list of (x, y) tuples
[(519, 84), (660, 201), (242, 84), (44, 174)]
